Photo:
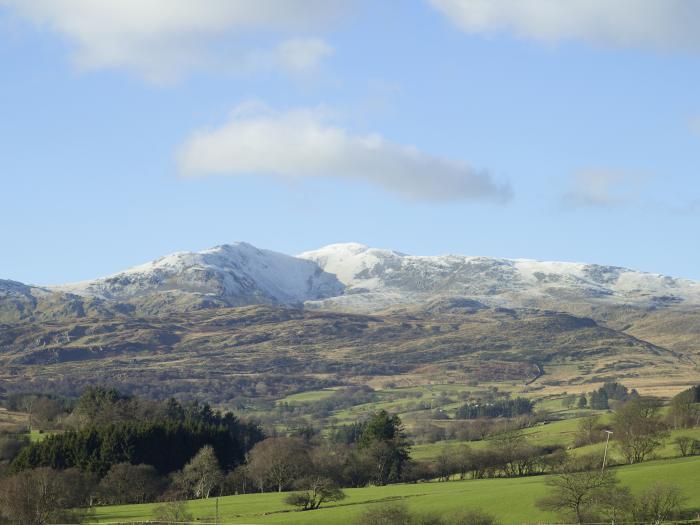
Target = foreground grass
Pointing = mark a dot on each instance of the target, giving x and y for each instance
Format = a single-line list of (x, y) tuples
[(511, 500)]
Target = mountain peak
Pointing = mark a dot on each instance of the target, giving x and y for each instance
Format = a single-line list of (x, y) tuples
[(354, 276), (236, 274)]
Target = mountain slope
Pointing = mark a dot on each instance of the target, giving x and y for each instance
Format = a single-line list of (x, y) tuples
[(353, 277), (257, 351), (379, 278), (236, 274)]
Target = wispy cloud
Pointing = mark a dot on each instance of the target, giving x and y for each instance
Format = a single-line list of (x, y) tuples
[(304, 144), (649, 24), (603, 188), (162, 39)]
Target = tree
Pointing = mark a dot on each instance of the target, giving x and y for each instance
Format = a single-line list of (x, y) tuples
[(278, 461), (588, 431), (684, 409), (316, 491), (445, 463), (38, 497), (126, 483), (582, 401), (638, 428), (201, 475), (687, 446), (237, 481), (658, 504), (576, 493), (172, 512), (599, 400), (383, 447), (614, 504)]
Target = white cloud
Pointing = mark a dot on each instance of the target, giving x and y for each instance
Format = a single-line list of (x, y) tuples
[(603, 188), (651, 24), (302, 54), (161, 39), (303, 144)]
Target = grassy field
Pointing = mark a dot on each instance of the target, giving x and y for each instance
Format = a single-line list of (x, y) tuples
[(557, 432), (438, 498)]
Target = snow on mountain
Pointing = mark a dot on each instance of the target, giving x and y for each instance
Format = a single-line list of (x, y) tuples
[(237, 273), (346, 276), (384, 277)]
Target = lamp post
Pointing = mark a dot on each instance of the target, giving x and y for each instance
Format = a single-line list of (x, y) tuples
[(605, 454)]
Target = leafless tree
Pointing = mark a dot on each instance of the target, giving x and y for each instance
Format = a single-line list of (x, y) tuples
[(576, 493)]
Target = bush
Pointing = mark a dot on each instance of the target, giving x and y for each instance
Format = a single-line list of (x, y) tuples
[(473, 517), (172, 512), (387, 514)]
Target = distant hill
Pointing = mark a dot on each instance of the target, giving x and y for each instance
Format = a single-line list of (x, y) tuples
[(346, 277), (236, 321)]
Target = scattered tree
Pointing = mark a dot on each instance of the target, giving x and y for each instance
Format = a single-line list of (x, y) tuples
[(684, 409), (126, 483), (576, 493), (658, 504), (315, 491), (687, 446), (278, 461), (384, 448), (172, 512), (201, 475), (638, 428)]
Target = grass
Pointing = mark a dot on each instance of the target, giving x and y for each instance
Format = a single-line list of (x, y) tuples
[(511, 500), (307, 397)]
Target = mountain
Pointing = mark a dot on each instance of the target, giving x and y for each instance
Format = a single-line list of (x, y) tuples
[(270, 351), (228, 275), (20, 302), (236, 321), (376, 279), (350, 277)]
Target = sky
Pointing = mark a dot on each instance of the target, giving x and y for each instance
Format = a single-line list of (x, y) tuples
[(130, 129)]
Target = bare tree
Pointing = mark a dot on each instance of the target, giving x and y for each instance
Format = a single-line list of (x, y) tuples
[(658, 504), (201, 475), (588, 431), (127, 483), (37, 497), (278, 461), (576, 493), (638, 428), (687, 446), (316, 491), (172, 512)]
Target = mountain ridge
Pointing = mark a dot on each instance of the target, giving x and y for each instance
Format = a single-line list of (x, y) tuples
[(347, 277)]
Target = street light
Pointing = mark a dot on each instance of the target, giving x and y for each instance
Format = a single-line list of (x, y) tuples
[(605, 454)]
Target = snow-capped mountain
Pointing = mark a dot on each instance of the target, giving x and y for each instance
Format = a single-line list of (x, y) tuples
[(376, 278), (237, 274), (349, 277)]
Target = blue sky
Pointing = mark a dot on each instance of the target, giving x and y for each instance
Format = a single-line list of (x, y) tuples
[(498, 128)]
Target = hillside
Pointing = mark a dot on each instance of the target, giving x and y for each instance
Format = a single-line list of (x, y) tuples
[(236, 321), (264, 351), (348, 277), (436, 498)]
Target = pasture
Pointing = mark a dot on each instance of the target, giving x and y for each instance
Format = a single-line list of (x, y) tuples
[(512, 500)]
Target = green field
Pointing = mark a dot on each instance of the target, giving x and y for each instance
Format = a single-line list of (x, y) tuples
[(511, 500), (557, 432)]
